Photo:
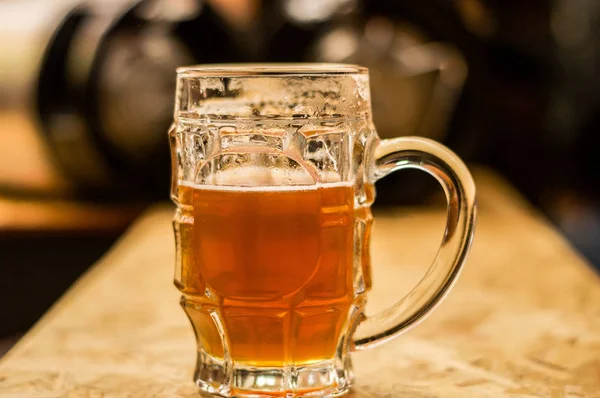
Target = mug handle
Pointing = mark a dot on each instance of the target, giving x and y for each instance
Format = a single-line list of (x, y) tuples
[(447, 168)]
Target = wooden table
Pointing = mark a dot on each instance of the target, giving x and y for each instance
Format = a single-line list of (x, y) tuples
[(523, 321)]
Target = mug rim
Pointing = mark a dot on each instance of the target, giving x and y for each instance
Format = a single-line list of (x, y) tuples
[(271, 69)]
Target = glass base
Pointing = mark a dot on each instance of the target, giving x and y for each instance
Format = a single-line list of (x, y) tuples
[(330, 378)]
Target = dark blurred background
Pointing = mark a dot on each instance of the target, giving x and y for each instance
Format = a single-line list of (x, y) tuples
[(87, 91)]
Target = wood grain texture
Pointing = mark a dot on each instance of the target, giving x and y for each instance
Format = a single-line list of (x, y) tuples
[(523, 320)]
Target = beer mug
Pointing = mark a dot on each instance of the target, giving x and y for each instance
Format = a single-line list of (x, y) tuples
[(274, 168)]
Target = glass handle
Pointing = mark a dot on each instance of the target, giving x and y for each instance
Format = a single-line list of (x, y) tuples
[(443, 164)]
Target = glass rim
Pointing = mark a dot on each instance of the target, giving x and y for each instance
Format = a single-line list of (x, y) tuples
[(271, 69)]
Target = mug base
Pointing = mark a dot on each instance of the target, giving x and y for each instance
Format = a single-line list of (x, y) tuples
[(322, 379)]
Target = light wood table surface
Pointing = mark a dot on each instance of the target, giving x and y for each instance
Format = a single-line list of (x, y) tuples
[(523, 320)]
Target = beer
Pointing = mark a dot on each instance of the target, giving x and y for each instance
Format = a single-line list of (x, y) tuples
[(269, 274)]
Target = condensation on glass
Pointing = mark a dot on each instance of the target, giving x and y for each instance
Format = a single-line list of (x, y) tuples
[(273, 173)]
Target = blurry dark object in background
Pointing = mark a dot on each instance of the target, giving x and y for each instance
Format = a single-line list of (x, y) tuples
[(106, 88), (415, 82)]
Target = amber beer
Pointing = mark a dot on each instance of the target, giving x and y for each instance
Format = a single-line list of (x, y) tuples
[(273, 267)]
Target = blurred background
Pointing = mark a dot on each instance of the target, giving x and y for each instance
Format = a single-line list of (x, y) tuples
[(87, 90)]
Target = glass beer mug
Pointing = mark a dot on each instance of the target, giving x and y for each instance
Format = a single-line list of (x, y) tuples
[(273, 173)]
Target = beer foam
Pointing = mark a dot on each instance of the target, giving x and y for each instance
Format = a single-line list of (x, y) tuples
[(267, 180), (271, 188)]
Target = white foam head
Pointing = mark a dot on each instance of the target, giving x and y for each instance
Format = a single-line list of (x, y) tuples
[(264, 179)]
